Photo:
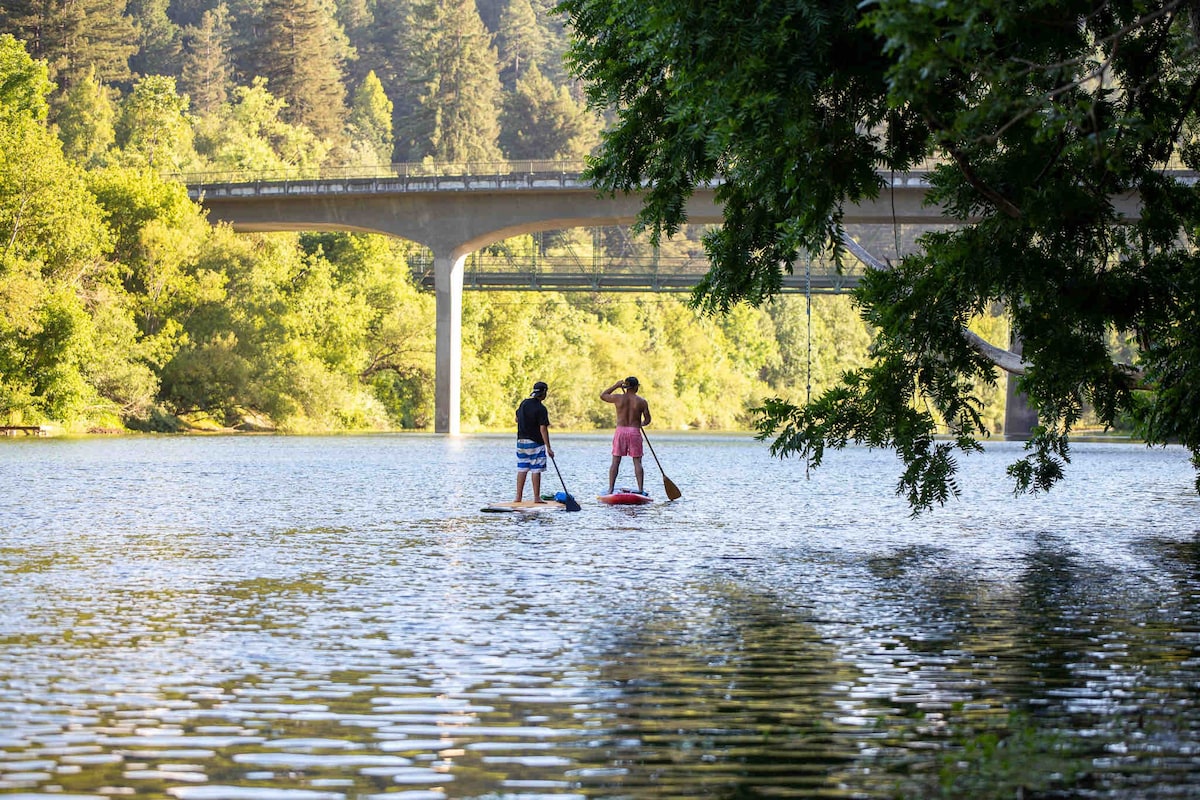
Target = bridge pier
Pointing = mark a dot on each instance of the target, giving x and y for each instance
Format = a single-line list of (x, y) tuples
[(1019, 418), (448, 291)]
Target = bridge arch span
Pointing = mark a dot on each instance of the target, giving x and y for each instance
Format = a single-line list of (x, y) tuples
[(452, 222), (447, 222)]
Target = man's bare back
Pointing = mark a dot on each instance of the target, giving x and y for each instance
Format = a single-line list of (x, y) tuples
[(632, 411)]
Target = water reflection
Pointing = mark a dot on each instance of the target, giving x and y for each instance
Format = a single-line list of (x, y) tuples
[(731, 697), (302, 619)]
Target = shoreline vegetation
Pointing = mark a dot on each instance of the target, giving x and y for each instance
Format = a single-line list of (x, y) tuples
[(701, 373), (53, 431), (123, 309)]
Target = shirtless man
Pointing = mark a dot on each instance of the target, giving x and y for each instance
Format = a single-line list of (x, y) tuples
[(633, 412)]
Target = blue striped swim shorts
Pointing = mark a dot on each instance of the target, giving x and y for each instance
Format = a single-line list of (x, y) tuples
[(531, 456)]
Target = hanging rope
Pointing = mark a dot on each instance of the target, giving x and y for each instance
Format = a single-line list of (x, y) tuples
[(808, 365)]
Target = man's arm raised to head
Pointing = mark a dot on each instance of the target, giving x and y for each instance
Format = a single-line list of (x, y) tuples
[(608, 395)]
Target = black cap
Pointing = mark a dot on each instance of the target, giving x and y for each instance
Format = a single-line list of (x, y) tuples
[(539, 389), (631, 382)]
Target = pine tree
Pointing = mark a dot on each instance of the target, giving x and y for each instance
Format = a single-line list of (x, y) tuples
[(31, 23), (452, 83), (384, 50), (302, 59), (187, 13), (520, 41), (107, 41), (489, 12), (73, 35), (158, 39), (248, 42), (207, 66), (557, 41), (358, 21), (542, 121)]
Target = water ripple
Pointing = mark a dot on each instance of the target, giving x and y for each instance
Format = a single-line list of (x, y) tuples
[(276, 618)]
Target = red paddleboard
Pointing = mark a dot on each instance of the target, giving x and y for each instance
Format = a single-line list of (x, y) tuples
[(624, 497)]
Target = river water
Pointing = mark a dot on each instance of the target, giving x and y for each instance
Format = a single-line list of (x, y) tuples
[(319, 618)]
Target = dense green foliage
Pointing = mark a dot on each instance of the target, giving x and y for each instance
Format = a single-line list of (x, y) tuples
[(1040, 115), (300, 54), (452, 83), (123, 306), (438, 64)]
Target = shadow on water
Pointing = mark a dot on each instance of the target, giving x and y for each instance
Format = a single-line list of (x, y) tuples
[(1068, 681), (726, 698)]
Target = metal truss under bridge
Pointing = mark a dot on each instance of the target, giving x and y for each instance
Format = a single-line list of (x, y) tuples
[(616, 263)]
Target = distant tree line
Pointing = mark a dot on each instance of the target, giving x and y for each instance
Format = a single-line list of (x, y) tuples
[(372, 81)]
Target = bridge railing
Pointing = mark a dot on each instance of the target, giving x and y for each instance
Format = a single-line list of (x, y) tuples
[(418, 170), (458, 169)]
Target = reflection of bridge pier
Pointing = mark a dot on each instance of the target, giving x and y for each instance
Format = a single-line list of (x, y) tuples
[(455, 215)]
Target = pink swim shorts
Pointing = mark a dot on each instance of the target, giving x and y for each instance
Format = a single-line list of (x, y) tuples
[(627, 442)]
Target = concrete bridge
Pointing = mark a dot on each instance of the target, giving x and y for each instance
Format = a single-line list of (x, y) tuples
[(455, 210)]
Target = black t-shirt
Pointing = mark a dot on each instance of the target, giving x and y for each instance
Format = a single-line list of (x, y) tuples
[(531, 415)]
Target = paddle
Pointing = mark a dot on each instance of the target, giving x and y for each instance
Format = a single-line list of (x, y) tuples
[(669, 486), (570, 502)]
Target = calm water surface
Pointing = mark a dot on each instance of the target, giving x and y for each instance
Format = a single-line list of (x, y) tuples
[(272, 618)]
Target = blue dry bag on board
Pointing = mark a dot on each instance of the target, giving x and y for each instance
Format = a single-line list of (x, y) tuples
[(562, 497)]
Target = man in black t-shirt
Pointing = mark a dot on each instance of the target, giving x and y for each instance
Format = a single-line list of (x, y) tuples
[(533, 441)]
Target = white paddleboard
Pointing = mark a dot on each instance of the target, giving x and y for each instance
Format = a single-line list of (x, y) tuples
[(525, 506)]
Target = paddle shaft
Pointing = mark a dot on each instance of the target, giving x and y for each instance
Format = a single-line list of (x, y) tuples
[(570, 502), (669, 486)]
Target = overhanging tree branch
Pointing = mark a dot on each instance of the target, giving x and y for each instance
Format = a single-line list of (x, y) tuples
[(1004, 359)]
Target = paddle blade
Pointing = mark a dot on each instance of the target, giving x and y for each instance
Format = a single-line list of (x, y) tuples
[(672, 490), (568, 500)]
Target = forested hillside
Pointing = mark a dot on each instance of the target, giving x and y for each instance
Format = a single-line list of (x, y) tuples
[(367, 81), (122, 307)]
